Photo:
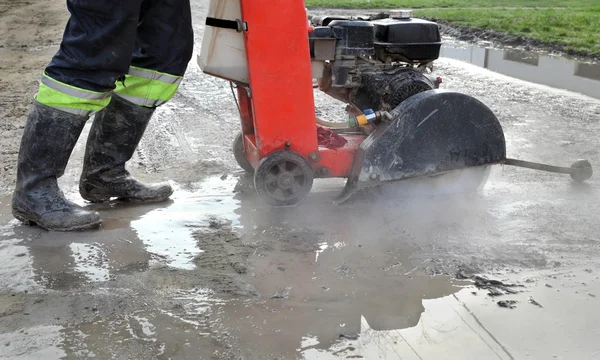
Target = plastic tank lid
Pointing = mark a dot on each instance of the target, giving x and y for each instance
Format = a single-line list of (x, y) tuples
[(401, 14)]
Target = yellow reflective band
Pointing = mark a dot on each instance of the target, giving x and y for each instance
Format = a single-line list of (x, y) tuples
[(72, 90), (155, 75), (148, 88), (84, 103), (141, 101)]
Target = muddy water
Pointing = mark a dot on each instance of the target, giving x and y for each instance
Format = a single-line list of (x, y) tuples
[(469, 324), (557, 72), (320, 269), (216, 271), (132, 235), (115, 293)]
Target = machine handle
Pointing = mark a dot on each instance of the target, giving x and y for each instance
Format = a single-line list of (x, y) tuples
[(236, 25), (580, 170), (541, 167)]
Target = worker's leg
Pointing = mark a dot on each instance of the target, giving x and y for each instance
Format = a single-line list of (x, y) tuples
[(163, 50), (164, 46), (95, 51)]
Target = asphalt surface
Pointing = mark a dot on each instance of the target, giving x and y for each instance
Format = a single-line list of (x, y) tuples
[(216, 274)]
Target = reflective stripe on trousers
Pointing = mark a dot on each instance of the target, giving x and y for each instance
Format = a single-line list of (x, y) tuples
[(147, 87), (142, 87), (70, 98)]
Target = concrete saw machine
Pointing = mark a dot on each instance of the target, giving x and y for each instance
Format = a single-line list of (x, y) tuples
[(400, 124)]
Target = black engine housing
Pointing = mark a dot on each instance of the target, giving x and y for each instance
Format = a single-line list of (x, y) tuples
[(374, 62), (353, 37), (409, 40), (386, 90)]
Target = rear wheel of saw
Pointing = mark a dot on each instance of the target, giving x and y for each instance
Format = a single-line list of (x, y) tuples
[(239, 151), (283, 178)]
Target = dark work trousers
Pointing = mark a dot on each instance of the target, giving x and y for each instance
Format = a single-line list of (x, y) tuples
[(103, 38)]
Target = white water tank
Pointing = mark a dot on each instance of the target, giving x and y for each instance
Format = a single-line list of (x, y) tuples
[(223, 53)]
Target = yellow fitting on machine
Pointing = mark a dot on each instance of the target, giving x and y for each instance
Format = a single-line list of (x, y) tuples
[(356, 121), (362, 120), (368, 117)]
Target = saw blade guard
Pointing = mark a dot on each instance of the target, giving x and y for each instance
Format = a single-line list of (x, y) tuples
[(431, 133)]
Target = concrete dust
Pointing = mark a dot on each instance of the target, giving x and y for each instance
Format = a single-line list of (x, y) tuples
[(216, 274)]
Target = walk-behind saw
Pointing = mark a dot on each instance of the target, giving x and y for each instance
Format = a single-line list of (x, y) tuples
[(400, 124)]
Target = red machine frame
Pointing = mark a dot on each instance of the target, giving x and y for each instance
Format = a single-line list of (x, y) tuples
[(277, 111)]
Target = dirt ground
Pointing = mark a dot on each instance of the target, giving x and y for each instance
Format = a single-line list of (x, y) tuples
[(30, 35), (215, 274)]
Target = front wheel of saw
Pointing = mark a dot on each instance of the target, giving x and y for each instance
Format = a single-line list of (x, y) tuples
[(283, 178)]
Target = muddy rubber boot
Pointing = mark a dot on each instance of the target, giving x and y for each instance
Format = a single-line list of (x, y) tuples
[(46, 146), (114, 136)]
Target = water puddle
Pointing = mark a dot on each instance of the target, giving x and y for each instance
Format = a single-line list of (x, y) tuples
[(16, 267), (334, 282), (320, 269), (90, 260), (16, 262), (197, 307), (473, 324), (326, 273), (443, 321), (179, 325), (133, 237), (322, 247), (556, 72), (167, 232), (311, 317)]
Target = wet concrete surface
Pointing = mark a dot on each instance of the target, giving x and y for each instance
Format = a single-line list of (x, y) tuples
[(241, 281), (216, 274)]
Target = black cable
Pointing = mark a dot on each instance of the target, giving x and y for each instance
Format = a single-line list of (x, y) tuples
[(235, 98)]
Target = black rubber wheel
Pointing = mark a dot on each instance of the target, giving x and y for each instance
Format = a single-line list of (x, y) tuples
[(240, 154), (585, 173), (283, 178)]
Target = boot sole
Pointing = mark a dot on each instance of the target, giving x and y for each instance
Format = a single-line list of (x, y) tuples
[(101, 199), (26, 221)]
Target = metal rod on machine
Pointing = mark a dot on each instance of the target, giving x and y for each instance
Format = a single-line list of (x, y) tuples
[(580, 170), (537, 166)]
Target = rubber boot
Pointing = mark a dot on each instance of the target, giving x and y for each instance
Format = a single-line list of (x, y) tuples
[(114, 136), (46, 146)]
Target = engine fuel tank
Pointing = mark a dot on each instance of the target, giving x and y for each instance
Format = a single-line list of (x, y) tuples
[(415, 40)]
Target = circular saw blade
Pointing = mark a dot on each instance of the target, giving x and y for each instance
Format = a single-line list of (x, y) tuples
[(467, 180)]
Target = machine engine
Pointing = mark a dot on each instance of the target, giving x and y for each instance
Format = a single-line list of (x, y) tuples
[(374, 62)]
